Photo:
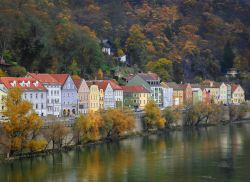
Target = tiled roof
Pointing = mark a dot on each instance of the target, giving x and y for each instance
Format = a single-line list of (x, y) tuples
[(148, 76), (114, 85), (44, 78), (135, 89), (77, 82), (234, 87), (174, 85), (23, 83), (61, 78), (184, 86), (102, 85)]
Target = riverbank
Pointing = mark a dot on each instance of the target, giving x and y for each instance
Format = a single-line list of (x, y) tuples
[(68, 148), (68, 142)]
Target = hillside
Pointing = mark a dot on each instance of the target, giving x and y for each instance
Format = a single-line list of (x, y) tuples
[(178, 39)]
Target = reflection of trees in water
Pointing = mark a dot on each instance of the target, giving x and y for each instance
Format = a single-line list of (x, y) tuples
[(103, 163)]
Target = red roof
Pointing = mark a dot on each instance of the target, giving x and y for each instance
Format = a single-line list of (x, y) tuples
[(234, 87), (135, 89), (102, 85), (77, 82), (148, 76), (113, 85), (44, 78), (61, 78), (23, 83)]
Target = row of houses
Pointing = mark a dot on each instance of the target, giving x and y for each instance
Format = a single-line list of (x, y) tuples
[(63, 95)]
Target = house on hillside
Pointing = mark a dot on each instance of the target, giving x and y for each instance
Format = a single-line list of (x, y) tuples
[(54, 92), (151, 82), (135, 97), (238, 94), (33, 91), (106, 46), (68, 94), (83, 95)]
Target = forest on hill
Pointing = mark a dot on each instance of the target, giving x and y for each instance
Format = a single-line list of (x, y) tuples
[(181, 40)]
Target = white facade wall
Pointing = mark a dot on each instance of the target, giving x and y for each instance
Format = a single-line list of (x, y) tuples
[(53, 99), (109, 99), (38, 99), (167, 94)]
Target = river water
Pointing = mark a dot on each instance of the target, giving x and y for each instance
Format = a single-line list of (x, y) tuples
[(207, 154)]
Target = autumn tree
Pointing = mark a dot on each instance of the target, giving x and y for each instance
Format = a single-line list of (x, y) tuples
[(136, 45), (87, 127), (99, 74), (201, 113), (116, 122), (56, 133), (153, 118), (172, 116), (163, 67), (23, 125), (74, 68)]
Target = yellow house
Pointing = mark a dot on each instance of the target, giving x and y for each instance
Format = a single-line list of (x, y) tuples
[(94, 97), (101, 98), (238, 94), (135, 96)]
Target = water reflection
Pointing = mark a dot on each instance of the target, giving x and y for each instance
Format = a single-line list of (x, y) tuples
[(207, 154)]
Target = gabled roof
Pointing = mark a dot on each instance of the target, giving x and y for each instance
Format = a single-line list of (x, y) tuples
[(102, 85), (185, 85), (77, 82), (23, 83), (174, 85), (114, 85), (234, 87), (61, 78), (44, 78), (135, 89), (148, 76)]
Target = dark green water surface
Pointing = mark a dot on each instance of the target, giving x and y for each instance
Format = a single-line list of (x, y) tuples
[(211, 154)]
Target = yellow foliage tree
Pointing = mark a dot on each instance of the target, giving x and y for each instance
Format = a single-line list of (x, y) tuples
[(23, 124), (2, 73), (153, 116), (88, 126), (99, 74), (116, 122)]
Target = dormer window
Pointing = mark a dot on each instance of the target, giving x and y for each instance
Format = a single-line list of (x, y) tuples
[(36, 84), (22, 84), (28, 84), (13, 84)]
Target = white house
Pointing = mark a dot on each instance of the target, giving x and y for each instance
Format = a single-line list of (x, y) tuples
[(167, 94), (54, 92), (33, 91)]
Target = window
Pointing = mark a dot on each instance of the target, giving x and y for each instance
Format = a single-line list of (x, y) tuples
[(31, 96), (42, 95), (36, 96), (36, 106), (42, 106)]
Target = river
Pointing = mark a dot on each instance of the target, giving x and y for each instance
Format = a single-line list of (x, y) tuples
[(206, 154)]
